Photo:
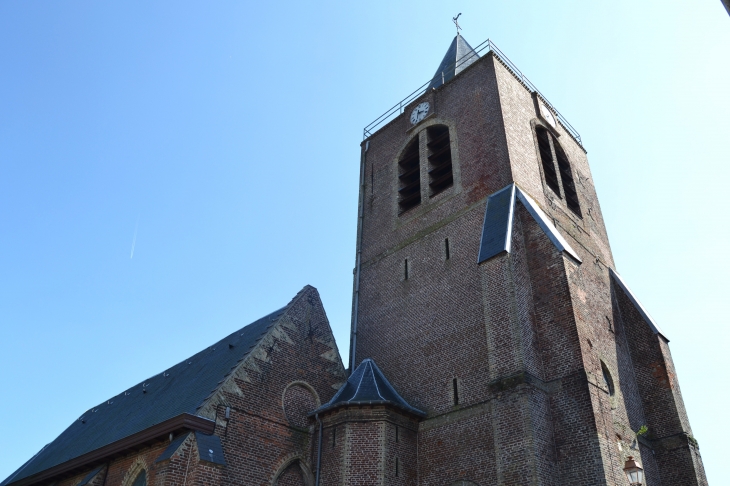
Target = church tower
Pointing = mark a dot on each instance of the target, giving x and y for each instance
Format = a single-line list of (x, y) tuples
[(486, 292)]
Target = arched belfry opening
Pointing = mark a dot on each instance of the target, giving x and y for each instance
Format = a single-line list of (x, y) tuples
[(546, 157), (556, 169), (409, 177), (566, 177), (440, 169)]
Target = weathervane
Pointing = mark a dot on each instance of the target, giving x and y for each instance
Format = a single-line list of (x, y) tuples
[(456, 22)]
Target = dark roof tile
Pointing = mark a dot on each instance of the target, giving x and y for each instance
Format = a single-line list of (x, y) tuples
[(180, 389), (459, 56), (367, 385)]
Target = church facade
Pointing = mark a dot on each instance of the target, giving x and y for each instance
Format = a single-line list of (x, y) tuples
[(493, 341)]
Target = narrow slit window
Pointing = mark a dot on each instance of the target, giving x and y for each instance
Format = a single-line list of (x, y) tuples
[(456, 391), (566, 176), (334, 436), (409, 177), (546, 157), (396, 433), (607, 380), (440, 173), (405, 268), (447, 249)]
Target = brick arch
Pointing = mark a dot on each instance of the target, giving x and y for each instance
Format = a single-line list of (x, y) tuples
[(454, 140), (293, 472), (137, 467), (298, 399)]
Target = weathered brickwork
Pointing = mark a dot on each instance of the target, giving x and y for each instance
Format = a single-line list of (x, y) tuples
[(526, 334), (532, 367), (369, 446)]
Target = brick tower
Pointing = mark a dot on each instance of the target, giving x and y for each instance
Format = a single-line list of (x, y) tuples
[(486, 292)]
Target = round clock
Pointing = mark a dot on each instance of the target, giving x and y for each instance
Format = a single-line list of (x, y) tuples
[(547, 115), (420, 112)]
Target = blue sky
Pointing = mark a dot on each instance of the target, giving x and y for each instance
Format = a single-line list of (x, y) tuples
[(226, 135)]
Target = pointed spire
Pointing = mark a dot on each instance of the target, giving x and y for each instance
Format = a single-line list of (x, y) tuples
[(459, 56), (368, 385)]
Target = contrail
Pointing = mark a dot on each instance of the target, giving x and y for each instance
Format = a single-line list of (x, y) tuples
[(134, 239)]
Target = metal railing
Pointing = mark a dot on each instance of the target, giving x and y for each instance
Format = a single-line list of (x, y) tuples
[(485, 47)]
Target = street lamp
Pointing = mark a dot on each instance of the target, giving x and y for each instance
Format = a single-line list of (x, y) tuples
[(634, 472)]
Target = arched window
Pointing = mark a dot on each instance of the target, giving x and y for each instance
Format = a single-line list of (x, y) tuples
[(294, 474), (409, 177), (566, 177), (440, 174), (558, 164), (141, 479), (607, 380), (546, 156)]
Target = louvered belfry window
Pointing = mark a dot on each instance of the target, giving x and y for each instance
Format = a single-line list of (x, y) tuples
[(546, 157), (559, 164), (440, 173), (566, 176), (409, 177)]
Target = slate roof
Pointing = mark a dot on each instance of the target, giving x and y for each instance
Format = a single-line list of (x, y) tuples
[(210, 448), (499, 217), (180, 389), (367, 385), (459, 56)]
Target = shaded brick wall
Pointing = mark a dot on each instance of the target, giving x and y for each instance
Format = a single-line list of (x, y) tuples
[(367, 447), (670, 435), (526, 334)]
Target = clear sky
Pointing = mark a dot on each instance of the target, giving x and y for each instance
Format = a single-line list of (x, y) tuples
[(171, 171)]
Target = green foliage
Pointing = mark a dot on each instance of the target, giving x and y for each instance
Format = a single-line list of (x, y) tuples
[(642, 430)]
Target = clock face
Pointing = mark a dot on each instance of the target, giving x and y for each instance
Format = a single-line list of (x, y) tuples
[(420, 112), (547, 115)]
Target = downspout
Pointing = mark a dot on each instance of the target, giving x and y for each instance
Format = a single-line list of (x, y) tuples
[(319, 450), (356, 283)]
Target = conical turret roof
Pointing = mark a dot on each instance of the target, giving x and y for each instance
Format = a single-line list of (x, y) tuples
[(459, 56), (368, 386)]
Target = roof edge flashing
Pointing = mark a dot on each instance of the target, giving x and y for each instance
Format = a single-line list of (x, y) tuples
[(547, 226), (496, 235), (639, 307), (359, 403)]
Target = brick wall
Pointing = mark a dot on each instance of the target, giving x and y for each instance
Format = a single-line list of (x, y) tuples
[(268, 438), (372, 445), (526, 334)]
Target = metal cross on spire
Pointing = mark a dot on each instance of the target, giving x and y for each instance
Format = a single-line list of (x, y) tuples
[(456, 22)]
